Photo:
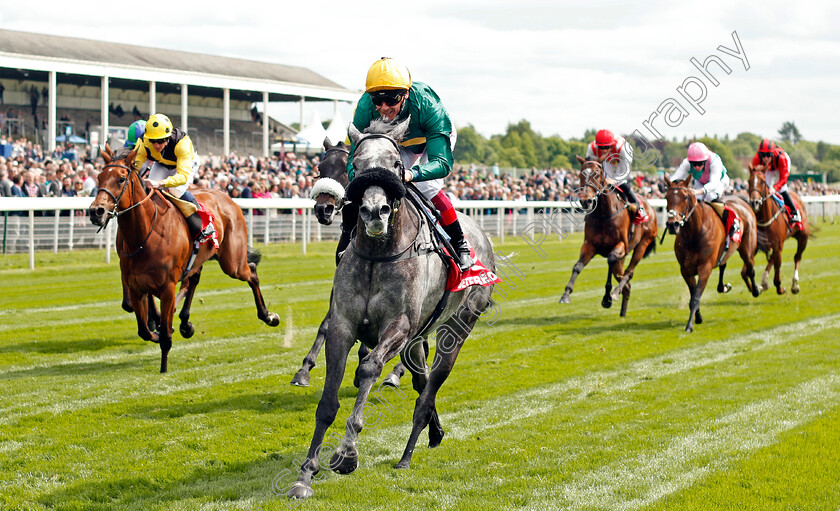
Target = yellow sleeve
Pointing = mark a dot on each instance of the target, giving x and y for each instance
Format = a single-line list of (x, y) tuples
[(185, 154), (141, 156)]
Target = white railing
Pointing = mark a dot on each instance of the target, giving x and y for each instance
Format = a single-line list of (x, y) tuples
[(61, 223)]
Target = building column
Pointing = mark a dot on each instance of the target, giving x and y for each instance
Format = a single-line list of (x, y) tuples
[(51, 107), (184, 94), (266, 142), (226, 115), (103, 111), (152, 97)]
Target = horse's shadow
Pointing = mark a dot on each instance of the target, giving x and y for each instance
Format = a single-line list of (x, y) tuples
[(261, 480), (66, 346), (74, 369), (263, 402)]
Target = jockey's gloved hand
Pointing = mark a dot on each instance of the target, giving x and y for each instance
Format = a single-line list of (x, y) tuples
[(152, 183)]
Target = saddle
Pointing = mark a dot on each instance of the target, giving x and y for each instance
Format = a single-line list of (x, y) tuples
[(188, 208)]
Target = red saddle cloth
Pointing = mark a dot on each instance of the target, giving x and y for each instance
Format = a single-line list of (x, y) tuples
[(731, 219), (477, 275), (207, 219)]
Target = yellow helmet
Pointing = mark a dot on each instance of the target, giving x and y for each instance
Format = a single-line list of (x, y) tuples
[(158, 127), (387, 73)]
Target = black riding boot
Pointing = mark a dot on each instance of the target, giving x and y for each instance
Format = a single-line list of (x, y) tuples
[(349, 218), (194, 221), (459, 243), (794, 213), (631, 199)]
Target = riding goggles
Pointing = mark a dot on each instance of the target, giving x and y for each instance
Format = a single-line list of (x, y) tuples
[(388, 97), (697, 163), (159, 140), (765, 155)]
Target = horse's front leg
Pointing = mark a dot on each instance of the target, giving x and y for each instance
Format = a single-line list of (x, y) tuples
[(695, 289), (139, 303), (391, 341), (777, 271), (167, 313), (187, 330), (615, 267), (587, 252), (339, 339), (301, 378), (801, 243)]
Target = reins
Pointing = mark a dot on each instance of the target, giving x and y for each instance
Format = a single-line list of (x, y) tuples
[(117, 213), (761, 203)]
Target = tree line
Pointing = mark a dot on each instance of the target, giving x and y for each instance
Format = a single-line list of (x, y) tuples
[(522, 147)]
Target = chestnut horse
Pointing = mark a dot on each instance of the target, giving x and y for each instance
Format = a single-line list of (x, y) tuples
[(775, 226), (154, 246), (701, 242), (607, 232)]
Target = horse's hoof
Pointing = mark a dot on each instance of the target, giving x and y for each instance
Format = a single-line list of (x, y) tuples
[(606, 302), (689, 329), (187, 330), (273, 319), (300, 491), (795, 290), (301, 379), (403, 464), (392, 380), (780, 290), (698, 319), (725, 288), (565, 299), (435, 437), (345, 463)]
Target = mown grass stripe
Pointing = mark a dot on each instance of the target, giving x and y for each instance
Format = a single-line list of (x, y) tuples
[(691, 457)]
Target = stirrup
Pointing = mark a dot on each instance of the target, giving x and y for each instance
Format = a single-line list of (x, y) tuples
[(795, 218), (639, 219)]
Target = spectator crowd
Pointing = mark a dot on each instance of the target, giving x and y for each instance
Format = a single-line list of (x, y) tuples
[(66, 172)]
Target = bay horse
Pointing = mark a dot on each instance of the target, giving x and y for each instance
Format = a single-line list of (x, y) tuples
[(386, 293), (154, 247), (328, 194), (774, 224), (701, 245), (609, 232)]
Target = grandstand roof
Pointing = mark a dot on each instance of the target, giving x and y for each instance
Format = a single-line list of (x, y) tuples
[(25, 53)]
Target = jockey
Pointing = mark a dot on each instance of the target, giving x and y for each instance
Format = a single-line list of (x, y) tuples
[(710, 182), (135, 132), (617, 158), (426, 148), (775, 163), (173, 162)]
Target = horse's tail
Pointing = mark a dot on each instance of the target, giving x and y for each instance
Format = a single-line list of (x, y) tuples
[(254, 256), (761, 242), (651, 248)]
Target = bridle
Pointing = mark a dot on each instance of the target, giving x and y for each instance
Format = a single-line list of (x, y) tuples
[(114, 213), (400, 166), (767, 194), (672, 213)]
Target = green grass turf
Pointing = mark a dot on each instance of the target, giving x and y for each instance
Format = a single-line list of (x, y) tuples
[(549, 407)]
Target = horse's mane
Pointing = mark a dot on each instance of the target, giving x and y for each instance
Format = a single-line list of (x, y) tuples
[(122, 153), (592, 158), (380, 126)]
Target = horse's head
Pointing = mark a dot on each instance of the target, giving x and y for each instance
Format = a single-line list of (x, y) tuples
[(378, 183), (591, 182), (680, 203), (113, 182), (758, 189), (328, 192)]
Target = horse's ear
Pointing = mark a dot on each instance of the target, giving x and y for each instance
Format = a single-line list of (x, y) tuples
[(354, 133), (687, 181), (579, 159), (107, 154), (399, 131), (667, 181), (129, 159), (327, 144)]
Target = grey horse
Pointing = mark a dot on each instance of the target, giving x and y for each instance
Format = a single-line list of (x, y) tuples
[(386, 290), (328, 194)]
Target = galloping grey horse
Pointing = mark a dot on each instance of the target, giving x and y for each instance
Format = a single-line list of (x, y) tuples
[(328, 194), (386, 289)]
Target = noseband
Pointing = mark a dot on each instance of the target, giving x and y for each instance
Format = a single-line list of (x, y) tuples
[(114, 213)]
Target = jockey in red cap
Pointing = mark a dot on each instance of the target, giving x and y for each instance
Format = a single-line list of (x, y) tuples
[(775, 163), (616, 156)]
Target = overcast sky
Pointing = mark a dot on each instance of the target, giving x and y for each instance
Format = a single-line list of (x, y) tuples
[(563, 66)]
